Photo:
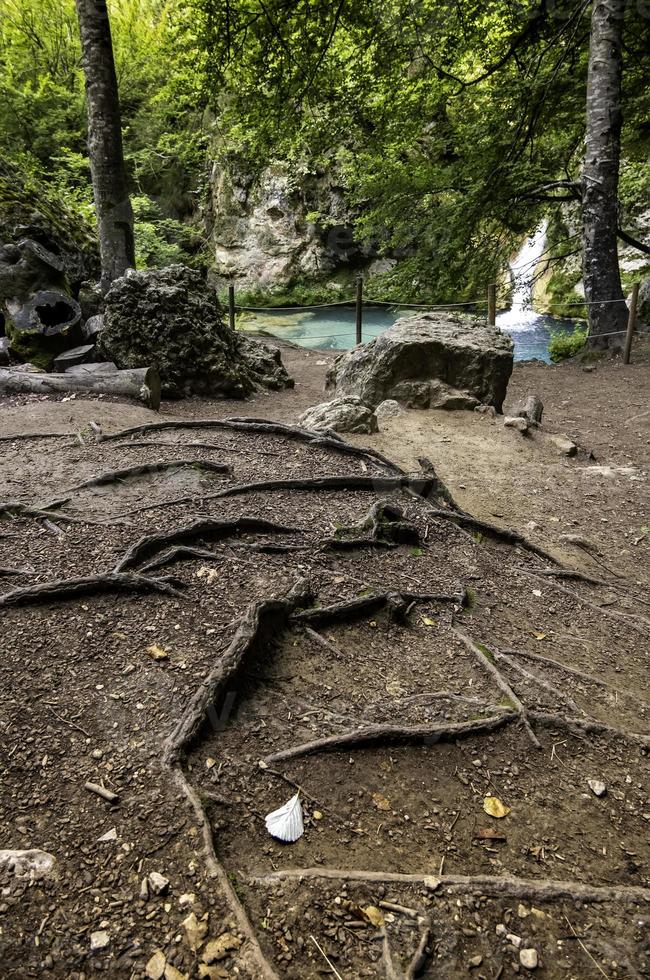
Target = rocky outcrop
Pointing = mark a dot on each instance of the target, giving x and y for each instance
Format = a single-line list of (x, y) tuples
[(428, 361), (346, 414), (171, 319)]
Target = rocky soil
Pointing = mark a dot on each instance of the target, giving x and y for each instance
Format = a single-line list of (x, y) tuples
[(456, 825)]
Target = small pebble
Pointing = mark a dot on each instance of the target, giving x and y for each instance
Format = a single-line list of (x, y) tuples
[(528, 958)]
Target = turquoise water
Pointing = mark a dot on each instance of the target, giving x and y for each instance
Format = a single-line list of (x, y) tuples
[(334, 328)]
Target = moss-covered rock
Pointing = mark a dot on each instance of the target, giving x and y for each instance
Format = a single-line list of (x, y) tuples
[(171, 319)]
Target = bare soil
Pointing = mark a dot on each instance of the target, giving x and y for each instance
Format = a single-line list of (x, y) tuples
[(83, 697)]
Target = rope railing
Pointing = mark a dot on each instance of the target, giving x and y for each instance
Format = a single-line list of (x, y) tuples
[(490, 301)]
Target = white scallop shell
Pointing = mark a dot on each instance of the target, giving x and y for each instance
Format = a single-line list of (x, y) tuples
[(285, 823)]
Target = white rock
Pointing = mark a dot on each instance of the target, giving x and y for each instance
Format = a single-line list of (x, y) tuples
[(597, 787), (109, 835), (515, 422), (515, 940), (155, 968), (501, 929), (158, 883), (99, 940), (528, 958), (28, 864)]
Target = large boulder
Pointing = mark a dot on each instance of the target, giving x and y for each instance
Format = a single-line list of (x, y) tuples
[(171, 319), (427, 361), (347, 414)]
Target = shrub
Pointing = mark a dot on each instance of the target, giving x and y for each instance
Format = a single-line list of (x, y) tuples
[(563, 345)]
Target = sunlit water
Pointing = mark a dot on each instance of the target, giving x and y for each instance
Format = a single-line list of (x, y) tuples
[(334, 328)]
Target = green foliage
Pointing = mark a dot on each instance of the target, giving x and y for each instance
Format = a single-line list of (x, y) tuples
[(160, 240), (563, 345)]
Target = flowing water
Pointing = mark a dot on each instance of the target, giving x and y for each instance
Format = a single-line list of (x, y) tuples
[(334, 327)]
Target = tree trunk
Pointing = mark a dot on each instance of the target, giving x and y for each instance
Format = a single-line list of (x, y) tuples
[(602, 276), (142, 384), (110, 189)]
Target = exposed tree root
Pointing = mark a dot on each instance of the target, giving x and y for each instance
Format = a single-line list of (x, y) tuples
[(638, 623), (181, 552), (541, 890), (214, 699), (573, 672), (500, 533), (160, 466), (10, 572), (353, 544), (501, 682), (397, 602), (539, 681), (37, 435), (585, 726), (210, 527), (380, 735), (260, 967), (567, 573), (152, 444), (421, 955), (264, 427), (62, 589), (325, 643), (16, 509)]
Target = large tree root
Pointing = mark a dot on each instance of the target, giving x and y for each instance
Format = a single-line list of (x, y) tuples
[(62, 589), (160, 466), (12, 572), (16, 509), (210, 527), (397, 603), (152, 444), (567, 573), (574, 672), (638, 623), (260, 967), (181, 552), (585, 726), (542, 890), (487, 664), (493, 530), (25, 436), (264, 427), (215, 697), (380, 735)]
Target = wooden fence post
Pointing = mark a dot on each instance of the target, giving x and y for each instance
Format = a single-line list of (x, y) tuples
[(359, 326), (231, 305), (631, 323), (492, 304)]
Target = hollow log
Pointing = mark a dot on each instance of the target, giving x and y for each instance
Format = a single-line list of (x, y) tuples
[(142, 384)]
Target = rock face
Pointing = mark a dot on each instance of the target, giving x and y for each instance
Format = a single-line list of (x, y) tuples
[(428, 361), (643, 309), (170, 319), (347, 414)]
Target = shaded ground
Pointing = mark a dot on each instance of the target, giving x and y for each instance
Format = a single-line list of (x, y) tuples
[(83, 699)]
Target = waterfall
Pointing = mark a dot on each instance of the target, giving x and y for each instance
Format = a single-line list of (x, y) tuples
[(521, 315)]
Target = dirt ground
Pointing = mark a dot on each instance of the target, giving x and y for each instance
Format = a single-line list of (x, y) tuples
[(511, 685)]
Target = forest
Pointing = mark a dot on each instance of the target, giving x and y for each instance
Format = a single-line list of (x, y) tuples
[(324, 512)]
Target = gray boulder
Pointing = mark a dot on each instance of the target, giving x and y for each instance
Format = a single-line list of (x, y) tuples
[(428, 361), (643, 309), (346, 414)]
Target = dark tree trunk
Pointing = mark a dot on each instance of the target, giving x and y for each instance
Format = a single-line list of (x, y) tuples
[(112, 203), (602, 276)]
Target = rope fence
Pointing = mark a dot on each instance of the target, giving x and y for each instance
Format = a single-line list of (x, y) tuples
[(490, 301)]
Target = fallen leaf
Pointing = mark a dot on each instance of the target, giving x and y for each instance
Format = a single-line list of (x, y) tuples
[(380, 801), (428, 622), (195, 930), (157, 653), (373, 915), (488, 833), (209, 574), (218, 949), (540, 636), (317, 815), (537, 592), (494, 807), (395, 689)]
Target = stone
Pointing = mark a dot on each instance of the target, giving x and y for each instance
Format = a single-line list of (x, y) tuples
[(99, 940), (158, 884), (27, 368), (109, 835), (4, 351), (72, 357), (489, 410), (195, 930), (31, 863), (475, 961), (516, 422), (264, 363), (218, 949), (528, 958), (388, 409), (531, 409), (501, 929), (345, 414), (597, 787), (434, 359), (564, 445), (155, 968), (513, 939), (171, 319), (93, 326)]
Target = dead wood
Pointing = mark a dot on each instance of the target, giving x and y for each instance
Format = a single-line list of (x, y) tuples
[(208, 527), (421, 955), (494, 886), (488, 665), (106, 794), (325, 643), (142, 384), (215, 697), (381, 735), (127, 472), (341, 612), (62, 589)]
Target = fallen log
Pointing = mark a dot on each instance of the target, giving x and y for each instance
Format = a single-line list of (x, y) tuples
[(140, 383)]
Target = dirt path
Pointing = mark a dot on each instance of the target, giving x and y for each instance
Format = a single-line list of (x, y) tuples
[(397, 837)]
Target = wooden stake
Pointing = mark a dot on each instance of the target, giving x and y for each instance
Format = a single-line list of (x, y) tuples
[(231, 305), (359, 308), (492, 304), (631, 323)]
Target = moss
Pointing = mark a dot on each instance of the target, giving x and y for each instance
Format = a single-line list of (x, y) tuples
[(486, 652)]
